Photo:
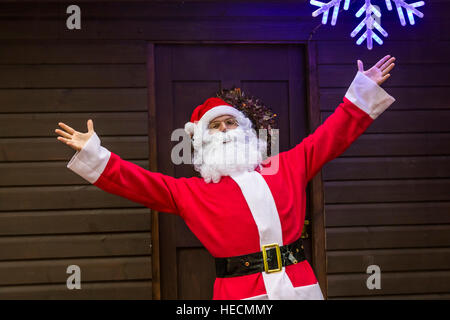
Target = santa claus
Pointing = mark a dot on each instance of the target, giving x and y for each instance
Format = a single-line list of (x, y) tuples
[(247, 215)]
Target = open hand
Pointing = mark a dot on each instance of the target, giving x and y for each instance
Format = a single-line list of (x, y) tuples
[(380, 71), (74, 139)]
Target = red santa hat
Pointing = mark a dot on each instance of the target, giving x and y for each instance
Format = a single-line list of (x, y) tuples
[(210, 109)]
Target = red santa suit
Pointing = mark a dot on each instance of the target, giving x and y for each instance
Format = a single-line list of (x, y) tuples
[(245, 211)]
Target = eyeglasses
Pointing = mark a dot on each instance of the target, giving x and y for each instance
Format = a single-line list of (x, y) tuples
[(229, 123)]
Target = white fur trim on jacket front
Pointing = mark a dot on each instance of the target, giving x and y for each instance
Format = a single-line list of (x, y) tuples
[(310, 292), (260, 201)]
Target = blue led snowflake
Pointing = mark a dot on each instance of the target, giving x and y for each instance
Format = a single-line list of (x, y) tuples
[(371, 20)]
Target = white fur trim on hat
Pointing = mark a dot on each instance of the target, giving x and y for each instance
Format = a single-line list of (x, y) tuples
[(215, 112), (219, 111)]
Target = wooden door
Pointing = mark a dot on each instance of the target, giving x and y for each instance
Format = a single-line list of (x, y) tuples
[(185, 76)]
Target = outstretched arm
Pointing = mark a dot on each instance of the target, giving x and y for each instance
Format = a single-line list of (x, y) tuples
[(112, 174), (364, 101)]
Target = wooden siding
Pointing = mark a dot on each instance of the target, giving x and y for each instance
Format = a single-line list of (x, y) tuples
[(51, 218), (386, 198)]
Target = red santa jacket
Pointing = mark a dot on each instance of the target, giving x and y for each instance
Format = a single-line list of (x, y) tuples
[(243, 212)]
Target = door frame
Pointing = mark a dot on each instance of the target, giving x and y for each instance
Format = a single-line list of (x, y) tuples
[(316, 199)]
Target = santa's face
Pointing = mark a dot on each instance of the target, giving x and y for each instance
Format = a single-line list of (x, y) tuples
[(226, 148)]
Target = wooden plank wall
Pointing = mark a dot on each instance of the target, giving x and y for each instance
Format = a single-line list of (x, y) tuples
[(51, 218), (386, 198)]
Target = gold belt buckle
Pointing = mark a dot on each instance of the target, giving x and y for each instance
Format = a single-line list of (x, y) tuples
[(264, 252)]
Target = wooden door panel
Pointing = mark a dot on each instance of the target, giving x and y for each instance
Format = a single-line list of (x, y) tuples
[(195, 279), (188, 74), (276, 95)]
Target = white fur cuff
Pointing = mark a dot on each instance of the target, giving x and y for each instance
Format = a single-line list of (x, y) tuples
[(90, 161), (367, 95)]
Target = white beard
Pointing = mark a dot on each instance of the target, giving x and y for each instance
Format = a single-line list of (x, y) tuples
[(242, 151)]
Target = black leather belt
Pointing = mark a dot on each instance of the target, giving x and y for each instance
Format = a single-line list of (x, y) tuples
[(271, 259)]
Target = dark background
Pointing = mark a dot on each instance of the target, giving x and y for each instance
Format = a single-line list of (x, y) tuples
[(385, 201)]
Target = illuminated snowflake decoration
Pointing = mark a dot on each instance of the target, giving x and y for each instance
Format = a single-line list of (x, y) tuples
[(372, 15)]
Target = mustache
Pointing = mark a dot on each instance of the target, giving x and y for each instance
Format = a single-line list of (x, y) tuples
[(234, 135), (222, 153)]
